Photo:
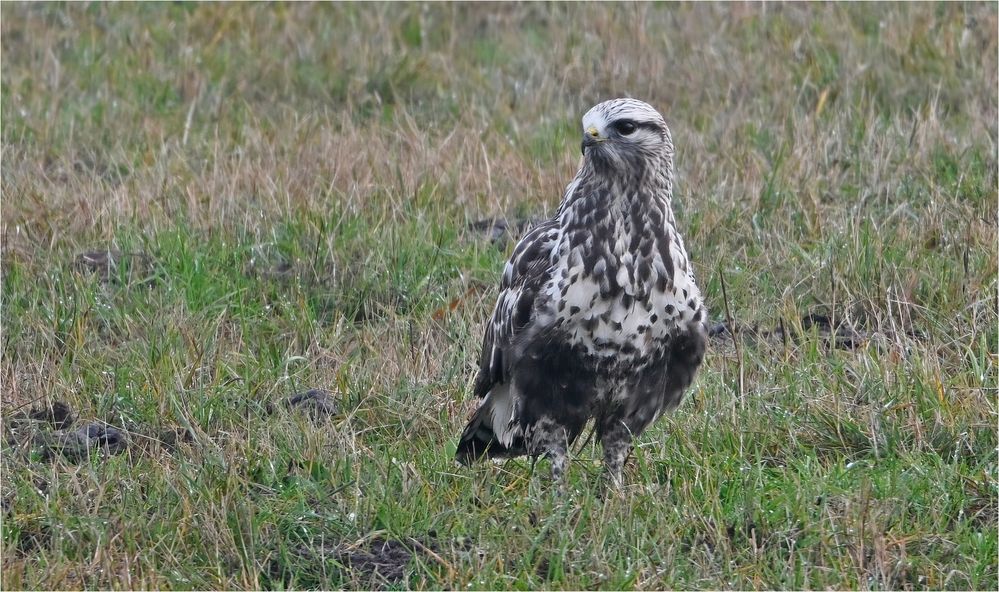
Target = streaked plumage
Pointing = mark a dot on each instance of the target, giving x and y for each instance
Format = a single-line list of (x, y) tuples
[(598, 316)]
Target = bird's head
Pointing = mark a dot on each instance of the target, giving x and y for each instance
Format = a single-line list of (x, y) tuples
[(625, 132)]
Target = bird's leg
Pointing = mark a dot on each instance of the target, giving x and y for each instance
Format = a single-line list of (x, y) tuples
[(616, 440), (549, 439), (559, 455)]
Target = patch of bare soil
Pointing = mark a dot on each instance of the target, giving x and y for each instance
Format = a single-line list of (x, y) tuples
[(380, 559), (373, 563)]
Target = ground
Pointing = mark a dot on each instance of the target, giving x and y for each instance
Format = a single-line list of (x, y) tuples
[(210, 209)]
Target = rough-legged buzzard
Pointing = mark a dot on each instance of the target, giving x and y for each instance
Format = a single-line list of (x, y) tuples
[(598, 315)]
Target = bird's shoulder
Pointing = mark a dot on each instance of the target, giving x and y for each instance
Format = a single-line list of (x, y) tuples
[(531, 258)]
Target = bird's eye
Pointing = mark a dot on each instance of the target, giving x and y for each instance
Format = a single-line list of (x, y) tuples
[(626, 128)]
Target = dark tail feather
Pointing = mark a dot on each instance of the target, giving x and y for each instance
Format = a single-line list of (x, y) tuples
[(478, 440)]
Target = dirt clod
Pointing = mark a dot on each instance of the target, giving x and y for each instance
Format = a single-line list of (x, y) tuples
[(171, 438), (838, 332), (317, 402), (81, 442), (57, 413), (845, 336), (500, 230), (104, 263), (279, 271)]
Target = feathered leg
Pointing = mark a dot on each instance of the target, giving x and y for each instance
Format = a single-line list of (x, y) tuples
[(552, 440), (560, 460), (618, 427), (615, 437)]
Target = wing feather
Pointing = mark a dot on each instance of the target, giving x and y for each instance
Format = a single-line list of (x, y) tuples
[(514, 315)]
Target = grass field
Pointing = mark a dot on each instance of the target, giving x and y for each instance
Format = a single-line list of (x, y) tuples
[(207, 209)]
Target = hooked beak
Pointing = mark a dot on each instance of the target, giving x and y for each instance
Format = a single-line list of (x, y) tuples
[(591, 137)]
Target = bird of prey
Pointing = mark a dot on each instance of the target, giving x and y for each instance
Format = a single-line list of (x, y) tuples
[(598, 315)]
